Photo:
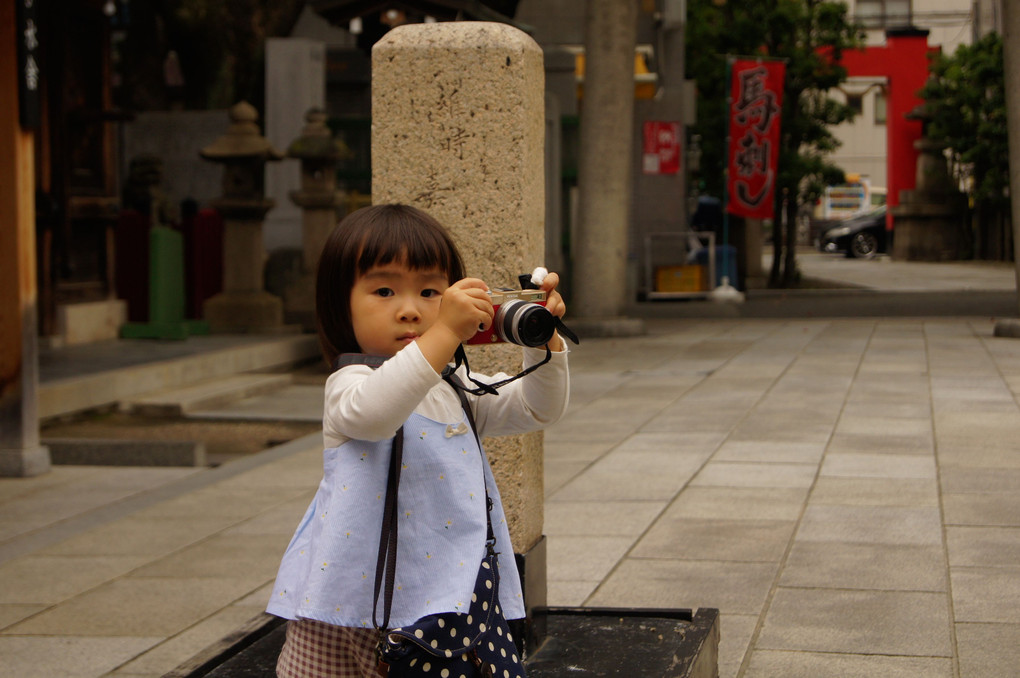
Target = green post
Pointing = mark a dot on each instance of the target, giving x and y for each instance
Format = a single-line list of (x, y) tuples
[(166, 291)]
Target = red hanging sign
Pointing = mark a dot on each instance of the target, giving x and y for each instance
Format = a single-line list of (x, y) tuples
[(756, 101), (661, 153)]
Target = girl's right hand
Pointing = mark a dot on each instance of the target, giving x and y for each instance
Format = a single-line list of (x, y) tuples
[(466, 308)]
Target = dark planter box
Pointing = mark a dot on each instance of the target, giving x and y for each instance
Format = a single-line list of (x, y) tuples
[(651, 643)]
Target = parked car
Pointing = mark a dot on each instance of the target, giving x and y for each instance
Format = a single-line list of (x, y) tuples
[(862, 236)]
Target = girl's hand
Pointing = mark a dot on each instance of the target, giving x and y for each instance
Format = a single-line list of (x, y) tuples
[(464, 309), (555, 305)]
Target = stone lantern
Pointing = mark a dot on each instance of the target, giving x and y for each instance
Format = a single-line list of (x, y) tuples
[(319, 201), (929, 219), (243, 305)]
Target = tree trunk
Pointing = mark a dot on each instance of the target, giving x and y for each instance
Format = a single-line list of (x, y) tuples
[(777, 248), (790, 258)]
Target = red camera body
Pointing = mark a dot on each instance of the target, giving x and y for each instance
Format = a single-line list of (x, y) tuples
[(500, 297)]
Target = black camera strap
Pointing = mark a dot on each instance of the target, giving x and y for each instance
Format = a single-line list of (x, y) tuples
[(482, 388)]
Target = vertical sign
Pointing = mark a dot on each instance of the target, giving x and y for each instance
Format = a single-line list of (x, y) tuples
[(28, 63), (661, 154), (756, 100)]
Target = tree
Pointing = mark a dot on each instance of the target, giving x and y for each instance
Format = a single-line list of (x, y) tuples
[(810, 35), (220, 45), (966, 99)]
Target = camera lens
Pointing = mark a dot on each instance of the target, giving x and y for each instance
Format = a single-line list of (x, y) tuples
[(525, 323)]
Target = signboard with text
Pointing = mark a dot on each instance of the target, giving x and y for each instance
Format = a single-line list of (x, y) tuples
[(28, 63), (661, 147), (755, 106)]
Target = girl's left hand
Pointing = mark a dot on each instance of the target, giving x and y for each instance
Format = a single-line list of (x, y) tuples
[(554, 304)]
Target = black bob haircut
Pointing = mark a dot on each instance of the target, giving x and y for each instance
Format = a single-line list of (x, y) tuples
[(368, 237)]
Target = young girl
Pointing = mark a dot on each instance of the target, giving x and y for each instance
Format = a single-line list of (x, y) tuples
[(391, 283)]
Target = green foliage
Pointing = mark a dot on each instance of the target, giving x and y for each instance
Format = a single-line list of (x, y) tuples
[(966, 97), (810, 35)]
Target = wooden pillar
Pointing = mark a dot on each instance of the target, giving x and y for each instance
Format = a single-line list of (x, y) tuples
[(20, 452)]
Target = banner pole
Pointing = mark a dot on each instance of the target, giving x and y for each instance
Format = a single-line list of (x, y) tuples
[(726, 170)]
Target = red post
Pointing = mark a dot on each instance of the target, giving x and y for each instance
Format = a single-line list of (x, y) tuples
[(903, 61)]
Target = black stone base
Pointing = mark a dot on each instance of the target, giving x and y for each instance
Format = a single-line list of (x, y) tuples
[(651, 643)]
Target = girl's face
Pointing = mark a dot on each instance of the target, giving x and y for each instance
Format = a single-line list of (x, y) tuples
[(392, 305)]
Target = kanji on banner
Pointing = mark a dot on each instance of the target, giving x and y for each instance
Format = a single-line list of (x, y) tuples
[(661, 152), (756, 101)]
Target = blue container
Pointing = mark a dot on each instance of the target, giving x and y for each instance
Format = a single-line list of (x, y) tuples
[(725, 263)]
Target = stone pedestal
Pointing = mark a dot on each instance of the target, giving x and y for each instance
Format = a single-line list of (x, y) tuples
[(929, 219), (457, 130)]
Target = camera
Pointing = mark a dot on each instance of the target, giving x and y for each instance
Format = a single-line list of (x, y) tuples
[(519, 317)]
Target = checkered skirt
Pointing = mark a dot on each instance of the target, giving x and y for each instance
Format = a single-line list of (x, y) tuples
[(314, 649)]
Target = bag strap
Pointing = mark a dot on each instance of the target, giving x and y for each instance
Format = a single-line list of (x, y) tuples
[(388, 536), (458, 387), (387, 559)]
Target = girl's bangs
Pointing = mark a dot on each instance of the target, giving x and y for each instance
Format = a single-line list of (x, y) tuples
[(418, 247)]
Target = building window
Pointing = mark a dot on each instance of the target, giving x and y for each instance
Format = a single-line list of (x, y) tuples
[(856, 103), (880, 107), (883, 13)]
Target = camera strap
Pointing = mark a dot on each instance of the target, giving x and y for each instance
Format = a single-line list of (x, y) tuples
[(481, 388)]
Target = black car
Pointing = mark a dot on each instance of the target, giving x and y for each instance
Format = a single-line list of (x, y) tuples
[(862, 236)]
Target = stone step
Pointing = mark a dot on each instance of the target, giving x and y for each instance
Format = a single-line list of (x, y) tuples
[(205, 395), (101, 375)]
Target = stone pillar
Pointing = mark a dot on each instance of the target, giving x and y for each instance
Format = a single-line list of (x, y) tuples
[(457, 130), (318, 199), (243, 305), (1010, 327), (295, 82), (600, 292), (20, 452)]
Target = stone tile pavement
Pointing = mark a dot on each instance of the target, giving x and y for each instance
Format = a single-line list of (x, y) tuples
[(845, 491)]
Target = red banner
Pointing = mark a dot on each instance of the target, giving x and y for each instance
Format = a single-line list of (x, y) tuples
[(661, 148), (756, 101)]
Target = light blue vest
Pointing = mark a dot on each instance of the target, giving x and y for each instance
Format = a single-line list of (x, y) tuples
[(328, 570)]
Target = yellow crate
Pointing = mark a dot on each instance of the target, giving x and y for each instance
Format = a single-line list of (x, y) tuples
[(681, 279)]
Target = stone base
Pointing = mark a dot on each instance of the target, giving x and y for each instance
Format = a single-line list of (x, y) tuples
[(89, 322), (24, 463), (666, 643), (532, 567), (1008, 327), (618, 326), (243, 312), (103, 452), (299, 303), (928, 240)]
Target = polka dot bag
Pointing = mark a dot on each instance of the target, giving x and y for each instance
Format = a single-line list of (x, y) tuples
[(457, 644)]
